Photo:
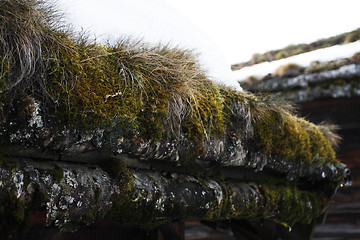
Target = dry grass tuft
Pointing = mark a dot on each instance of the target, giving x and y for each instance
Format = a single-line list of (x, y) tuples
[(330, 132), (177, 71), (24, 26)]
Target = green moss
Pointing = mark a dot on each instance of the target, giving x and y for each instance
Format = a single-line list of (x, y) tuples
[(153, 114), (12, 211), (117, 170), (332, 84), (88, 88), (56, 173), (273, 200), (144, 93), (235, 122), (276, 200), (292, 204), (124, 209), (132, 89)]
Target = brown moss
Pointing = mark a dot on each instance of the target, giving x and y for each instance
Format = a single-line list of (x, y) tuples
[(123, 208), (288, 70), (355, 58)]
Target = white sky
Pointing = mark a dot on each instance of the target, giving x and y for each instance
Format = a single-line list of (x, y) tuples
[(222, 31), (241, 28)]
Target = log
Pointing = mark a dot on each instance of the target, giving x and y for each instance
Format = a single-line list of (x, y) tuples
[(75, 195)]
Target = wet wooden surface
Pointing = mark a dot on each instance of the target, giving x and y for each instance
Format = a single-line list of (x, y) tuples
[(197, 231), (343, 216)]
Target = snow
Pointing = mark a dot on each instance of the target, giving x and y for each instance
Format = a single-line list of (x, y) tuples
[(325, 54), (153, 21), (219, 31)]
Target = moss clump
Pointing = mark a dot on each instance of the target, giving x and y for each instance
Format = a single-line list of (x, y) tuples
[(56, 173), (148, 90), (206, 119), (288, 70), (352, 36), (124, 209), (273, 200), (290, 138), (117, 170), (142, 93), (274, 129), (290, 205)]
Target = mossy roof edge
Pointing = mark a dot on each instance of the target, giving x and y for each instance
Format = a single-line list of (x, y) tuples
[(132, 93)]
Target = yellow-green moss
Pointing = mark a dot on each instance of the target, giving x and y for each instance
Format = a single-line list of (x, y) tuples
[(155, 93), (274, 200), (292, 204), (206, 119), (277, 131), (124, 209), (290, 138), (132, 88), (98, 86)]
